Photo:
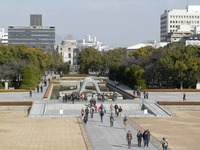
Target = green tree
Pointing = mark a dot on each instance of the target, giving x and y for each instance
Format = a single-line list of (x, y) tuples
[(182, 65), (89, 59), (15, 58), (30, 77)]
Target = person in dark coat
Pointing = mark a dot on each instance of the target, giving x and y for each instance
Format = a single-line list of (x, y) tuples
[(92, 112), (30, 92), (85, 118), (146, 138), (116, 109), (111, 120), (139, 138), (101, 114), (129, 138)]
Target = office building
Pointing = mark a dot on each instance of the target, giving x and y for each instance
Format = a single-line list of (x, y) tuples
[(178, 23), (33, 35)]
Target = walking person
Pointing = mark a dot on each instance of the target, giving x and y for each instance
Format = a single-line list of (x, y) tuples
[(38, 88), (101, 114), (125, 122), (120, 111), (41, 88), (82, 112), (111, 120), (129, 138), (184, 97), (111, 109), (87, 111), (85, 118), (92, 112), (146, 137), (104, 109), (139, 138), (30, 92), (164, 143), (116, 108)]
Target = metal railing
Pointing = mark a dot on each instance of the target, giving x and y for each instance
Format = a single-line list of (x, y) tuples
[(164, 108), (153, 140), (52, 115), (152, 109)]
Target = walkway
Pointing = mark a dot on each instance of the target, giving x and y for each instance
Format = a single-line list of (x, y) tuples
[(102, 136)]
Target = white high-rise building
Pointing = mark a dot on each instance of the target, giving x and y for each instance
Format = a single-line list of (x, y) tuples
[(92, 42), (178, 20), (3, 36)]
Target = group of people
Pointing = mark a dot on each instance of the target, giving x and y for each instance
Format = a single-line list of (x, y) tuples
[(70, 97), (40, 86), (145, 136), (141, 136), (116, 109), (85, 112)]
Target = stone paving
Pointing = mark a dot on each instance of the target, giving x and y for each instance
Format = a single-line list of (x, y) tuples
[(102, 136), (110, 137)]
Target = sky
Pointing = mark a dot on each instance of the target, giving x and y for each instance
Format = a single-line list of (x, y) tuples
[(117, 23)]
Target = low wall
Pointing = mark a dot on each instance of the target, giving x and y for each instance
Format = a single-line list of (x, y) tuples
[(24, 103), (178, 103)]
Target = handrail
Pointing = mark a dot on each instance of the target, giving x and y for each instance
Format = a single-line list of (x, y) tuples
[(52, 115), (151, 108), (164, 108), (153, 139)]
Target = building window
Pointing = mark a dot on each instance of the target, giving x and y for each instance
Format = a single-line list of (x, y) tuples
[(69, 55), (70, 62), (69, 49), (74, 54)]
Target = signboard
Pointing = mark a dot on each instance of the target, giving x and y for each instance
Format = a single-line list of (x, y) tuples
[(61, 112)]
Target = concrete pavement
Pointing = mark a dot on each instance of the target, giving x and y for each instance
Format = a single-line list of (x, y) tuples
[(101, 135)]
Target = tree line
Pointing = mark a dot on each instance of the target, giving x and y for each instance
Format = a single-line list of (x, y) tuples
[(24, 67), (172, 66)]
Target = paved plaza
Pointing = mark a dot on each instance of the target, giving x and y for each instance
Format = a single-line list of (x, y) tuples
[(19, 132)]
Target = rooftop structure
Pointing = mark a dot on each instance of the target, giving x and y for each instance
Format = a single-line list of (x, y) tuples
[(36, 20), (153, 44)]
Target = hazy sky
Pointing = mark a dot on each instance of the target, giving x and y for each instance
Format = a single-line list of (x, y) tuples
[(114, 22)]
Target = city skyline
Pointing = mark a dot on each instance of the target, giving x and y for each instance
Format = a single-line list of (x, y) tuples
[(116, 23)]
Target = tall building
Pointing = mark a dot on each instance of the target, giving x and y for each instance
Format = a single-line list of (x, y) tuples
[(36, 20), (33, 35), (3, 36), (179, 22)]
